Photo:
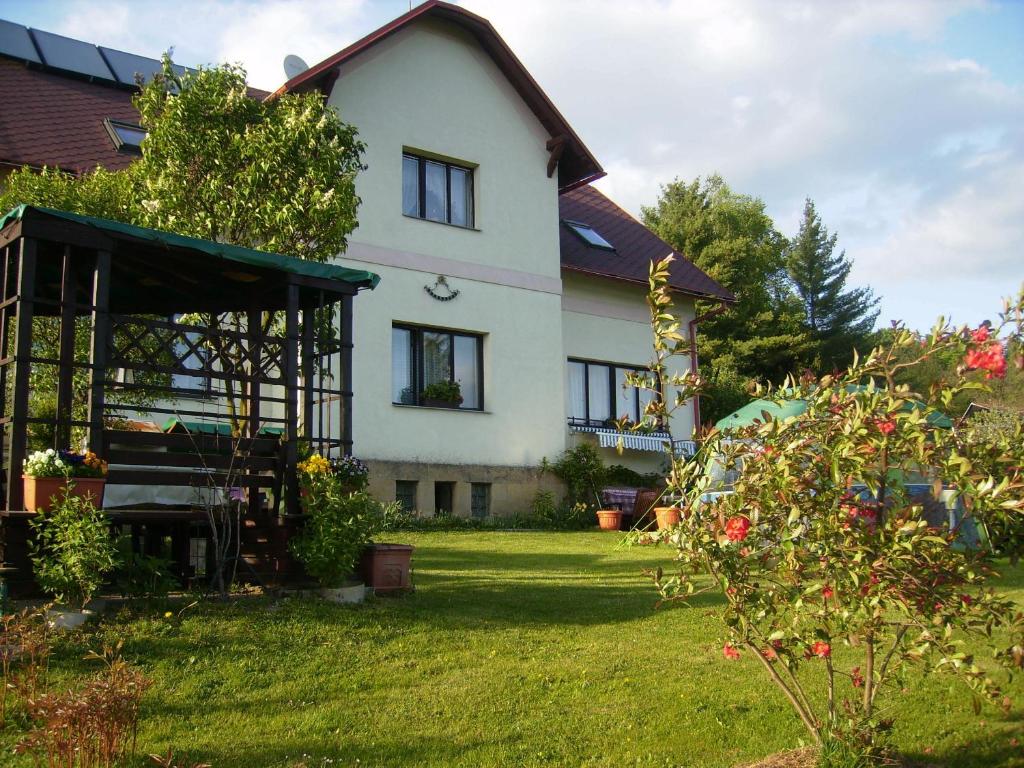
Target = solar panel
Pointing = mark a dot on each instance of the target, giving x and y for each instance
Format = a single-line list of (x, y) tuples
[(14, 41), (127, 65), (72, 55)]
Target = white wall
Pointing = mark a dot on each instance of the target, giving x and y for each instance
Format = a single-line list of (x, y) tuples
[(431, 88)]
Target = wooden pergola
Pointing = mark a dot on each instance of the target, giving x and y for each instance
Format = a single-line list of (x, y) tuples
[(234, 355)]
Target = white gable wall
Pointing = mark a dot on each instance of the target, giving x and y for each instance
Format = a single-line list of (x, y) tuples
[(432, 88)]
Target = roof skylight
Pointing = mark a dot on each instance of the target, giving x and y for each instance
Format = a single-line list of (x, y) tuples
[(589, 235), (126, 136)]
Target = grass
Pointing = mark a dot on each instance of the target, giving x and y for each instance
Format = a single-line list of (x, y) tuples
[(517, 649)]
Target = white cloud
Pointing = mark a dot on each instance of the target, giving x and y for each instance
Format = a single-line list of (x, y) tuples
[(910, 150)]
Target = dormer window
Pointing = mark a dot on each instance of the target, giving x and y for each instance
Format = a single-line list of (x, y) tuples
[(589, 235), (437, 190), (127, 137)]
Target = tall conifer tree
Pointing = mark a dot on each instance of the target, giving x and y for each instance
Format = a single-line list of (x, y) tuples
[(837, 317)]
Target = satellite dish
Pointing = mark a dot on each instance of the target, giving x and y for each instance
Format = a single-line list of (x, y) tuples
[(294, 66)]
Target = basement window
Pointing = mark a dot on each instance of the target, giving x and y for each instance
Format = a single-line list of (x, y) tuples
[(588, 235), (127, 137)]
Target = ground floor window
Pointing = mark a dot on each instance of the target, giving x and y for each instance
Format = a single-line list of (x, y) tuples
[(422, 359), (405, 494), (598, 393), (480, 500), (444, 498)]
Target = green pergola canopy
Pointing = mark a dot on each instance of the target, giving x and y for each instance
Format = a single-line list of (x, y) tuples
[(755, 410), (235, 253)]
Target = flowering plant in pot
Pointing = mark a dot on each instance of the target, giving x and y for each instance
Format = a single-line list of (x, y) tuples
[(72, 550), (352, 473), (442, 394), (833, 582), (337, 526), (47, 473)]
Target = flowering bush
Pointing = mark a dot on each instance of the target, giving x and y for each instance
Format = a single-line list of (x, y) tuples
[(822, 543), (51, 463), (314, 465)]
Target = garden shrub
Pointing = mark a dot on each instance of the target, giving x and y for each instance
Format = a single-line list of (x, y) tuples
[(821, 545), (92, 725), (583, 473), (72, 549)]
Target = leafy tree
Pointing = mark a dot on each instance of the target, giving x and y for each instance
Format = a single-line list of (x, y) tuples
[(731, 238), (218, 164), (838, 318)]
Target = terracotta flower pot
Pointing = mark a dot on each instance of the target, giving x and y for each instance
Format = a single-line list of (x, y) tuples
[(40, 492), (387, 568), (609, 519), (667, 516)]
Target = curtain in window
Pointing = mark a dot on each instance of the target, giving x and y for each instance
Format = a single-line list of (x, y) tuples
[(436, 192), (410, 186), (577, 390), (401, 367), (467, 372), (461, 197), (600, 397), (625, 396), (436, 357)]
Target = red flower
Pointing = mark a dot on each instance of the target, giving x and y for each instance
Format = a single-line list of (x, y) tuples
[(821, 649), (736, 528), (966, 599), (989, 357), (730, 652), (827, 592), (885, 426), (857, 677), (981, 334), (730, 591)]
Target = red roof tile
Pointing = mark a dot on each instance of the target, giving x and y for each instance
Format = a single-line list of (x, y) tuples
[(54, 120), (635, 246), (576, 166)]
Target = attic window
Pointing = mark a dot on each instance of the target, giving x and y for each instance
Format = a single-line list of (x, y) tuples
[(126, 136), (589, 235)]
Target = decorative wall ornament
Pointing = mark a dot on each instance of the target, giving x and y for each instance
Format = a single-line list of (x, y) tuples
[(440, 290)]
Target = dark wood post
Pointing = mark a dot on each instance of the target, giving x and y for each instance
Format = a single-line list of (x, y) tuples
[(99, 346), (346, 375), (291, 377), (5, 366), (22, 369), (66, 356), (254, 334), (308, 371)]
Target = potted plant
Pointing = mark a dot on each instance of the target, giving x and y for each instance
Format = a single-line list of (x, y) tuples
[(667, 516), (352, 474), (72, 550), (442, 394), (47, 473), (386, 567), (336, 527), (609, 519)]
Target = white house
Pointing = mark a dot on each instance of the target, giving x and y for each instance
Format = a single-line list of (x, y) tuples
[(502, 268)]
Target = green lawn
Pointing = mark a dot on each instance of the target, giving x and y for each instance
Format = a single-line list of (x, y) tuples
[(517, 649)]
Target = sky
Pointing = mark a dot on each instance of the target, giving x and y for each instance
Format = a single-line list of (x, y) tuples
[(902, 119)]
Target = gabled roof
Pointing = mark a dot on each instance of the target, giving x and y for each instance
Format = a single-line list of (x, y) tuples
[(576, 165), (54, 120), (635, 246)]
